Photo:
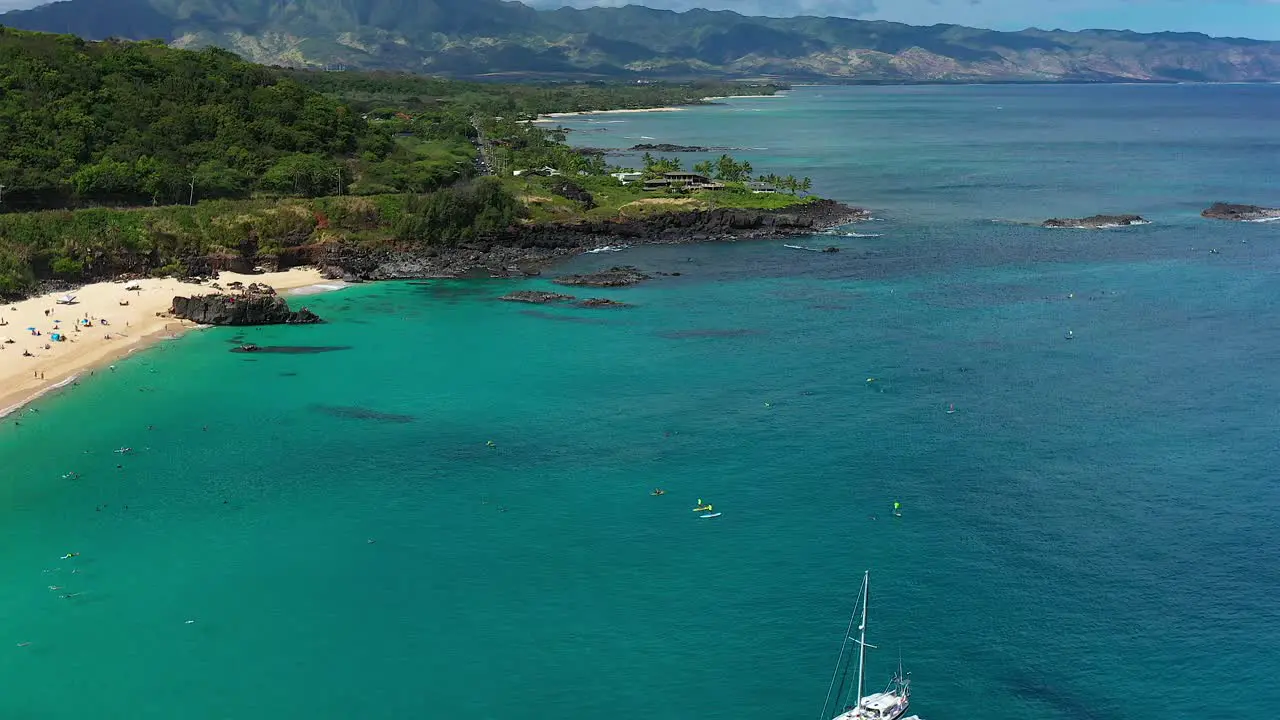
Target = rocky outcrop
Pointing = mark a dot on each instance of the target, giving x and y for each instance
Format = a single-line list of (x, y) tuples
[(240, 309), (666, 147), (524, 250), (601, 303), (535, 297), (1096, 222), (1241, 213), (573, 191), (613, 277)]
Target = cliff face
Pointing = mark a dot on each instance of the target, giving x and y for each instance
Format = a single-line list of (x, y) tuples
[(220, 309), (526, 249), (473, 37)]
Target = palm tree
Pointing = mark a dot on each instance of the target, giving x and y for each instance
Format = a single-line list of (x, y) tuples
[(806, 185)]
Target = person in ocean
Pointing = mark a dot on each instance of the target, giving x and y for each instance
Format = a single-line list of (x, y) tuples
[(658, 491)]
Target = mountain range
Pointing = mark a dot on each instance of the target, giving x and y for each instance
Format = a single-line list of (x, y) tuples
[(496, 38)]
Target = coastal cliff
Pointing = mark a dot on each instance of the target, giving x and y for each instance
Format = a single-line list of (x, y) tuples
[(526, 249)]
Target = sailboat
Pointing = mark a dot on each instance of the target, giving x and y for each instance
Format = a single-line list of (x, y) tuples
[(888, 705)]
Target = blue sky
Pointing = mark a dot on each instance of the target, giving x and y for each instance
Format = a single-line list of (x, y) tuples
[(1242, 18)]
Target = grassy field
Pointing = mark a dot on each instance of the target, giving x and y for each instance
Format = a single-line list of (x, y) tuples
[(614, 199)]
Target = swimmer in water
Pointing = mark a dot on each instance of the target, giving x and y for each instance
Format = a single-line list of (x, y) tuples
[(23, 644), (70, 595), (55, 587)]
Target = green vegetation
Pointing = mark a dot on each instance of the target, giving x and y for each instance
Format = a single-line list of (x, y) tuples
[(138, 158), (613, 199), (93, 243), (385, 93), (139, 123)]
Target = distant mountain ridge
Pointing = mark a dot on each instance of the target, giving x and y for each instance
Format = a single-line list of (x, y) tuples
[(485, 37)]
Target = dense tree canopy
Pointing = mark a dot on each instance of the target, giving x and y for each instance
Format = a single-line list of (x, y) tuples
[(218, 150), (141, 123)]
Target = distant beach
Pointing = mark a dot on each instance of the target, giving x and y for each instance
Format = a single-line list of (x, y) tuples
[(52, 364), (552, 116)]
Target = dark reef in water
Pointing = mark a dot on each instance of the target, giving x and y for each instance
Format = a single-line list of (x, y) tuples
[(1095, 222), (669, 148), (1241, 213), (613, 277), (360, 413), (536, 297), (706, 333), (601, 303), (289, 349)]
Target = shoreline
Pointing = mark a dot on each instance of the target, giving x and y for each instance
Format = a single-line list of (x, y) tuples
[(134, 327), (548, 117), (146, 326), (526, 251), (551, 117)]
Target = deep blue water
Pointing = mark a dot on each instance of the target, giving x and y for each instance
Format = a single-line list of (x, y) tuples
[(1092, 534)]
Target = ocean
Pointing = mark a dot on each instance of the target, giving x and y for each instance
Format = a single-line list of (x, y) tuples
[(325, 531)]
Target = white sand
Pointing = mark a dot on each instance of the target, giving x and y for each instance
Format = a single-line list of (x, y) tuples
[(130, 327), (552, 116)]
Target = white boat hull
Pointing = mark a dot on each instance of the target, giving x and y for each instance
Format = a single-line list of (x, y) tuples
[(854, 714)]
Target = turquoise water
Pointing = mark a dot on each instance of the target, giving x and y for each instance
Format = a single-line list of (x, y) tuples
[(1091, 535)]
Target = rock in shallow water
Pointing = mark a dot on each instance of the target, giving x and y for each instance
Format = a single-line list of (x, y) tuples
[(535, 297), (613, 277), (1095, 221), (247, 309), (601, 303), (1241, 213)]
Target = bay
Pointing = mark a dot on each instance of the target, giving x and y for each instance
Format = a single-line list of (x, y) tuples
[(1090, 535)]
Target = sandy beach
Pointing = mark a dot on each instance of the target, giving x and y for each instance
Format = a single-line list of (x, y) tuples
[(52, 364), (552, 116)]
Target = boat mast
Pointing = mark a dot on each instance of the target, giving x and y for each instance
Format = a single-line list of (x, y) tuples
[(862, 634)]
